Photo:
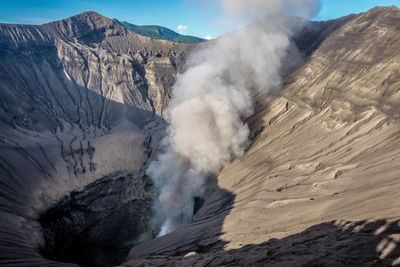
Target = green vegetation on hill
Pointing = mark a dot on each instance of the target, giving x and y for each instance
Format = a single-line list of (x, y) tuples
[(158, 32)]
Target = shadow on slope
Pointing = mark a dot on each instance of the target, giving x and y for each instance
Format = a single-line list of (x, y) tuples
[(52, 150), (336, 243), (38, 89)]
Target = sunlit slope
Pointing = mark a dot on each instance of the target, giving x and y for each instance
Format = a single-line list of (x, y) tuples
[(330, 144), (325, 148)]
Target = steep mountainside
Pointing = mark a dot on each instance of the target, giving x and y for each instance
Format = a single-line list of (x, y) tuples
[(325, 157), (79, 101), (162, 33)]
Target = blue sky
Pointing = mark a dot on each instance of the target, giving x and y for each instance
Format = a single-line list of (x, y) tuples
[(194, 17)]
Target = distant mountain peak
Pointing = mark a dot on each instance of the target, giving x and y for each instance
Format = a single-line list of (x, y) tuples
[(90, 19), (159, 32), (382, 10), (90, 14)]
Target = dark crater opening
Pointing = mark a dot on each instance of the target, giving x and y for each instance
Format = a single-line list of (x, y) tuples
[(100, 224)]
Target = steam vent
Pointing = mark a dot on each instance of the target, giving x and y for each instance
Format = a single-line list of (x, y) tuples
[(281, 149)]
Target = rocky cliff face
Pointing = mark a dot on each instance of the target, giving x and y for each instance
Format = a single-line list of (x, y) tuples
[(80, 100)]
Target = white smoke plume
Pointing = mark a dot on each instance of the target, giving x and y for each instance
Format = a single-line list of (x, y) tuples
[(212, 98)]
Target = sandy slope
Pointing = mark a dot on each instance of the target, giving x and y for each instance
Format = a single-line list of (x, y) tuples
[(327, 148)]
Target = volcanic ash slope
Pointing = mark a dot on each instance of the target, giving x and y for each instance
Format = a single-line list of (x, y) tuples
[(80, 99), (325, 157)]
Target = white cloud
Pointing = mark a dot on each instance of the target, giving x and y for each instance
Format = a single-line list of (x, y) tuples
[(208, 37), (182, 29)]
